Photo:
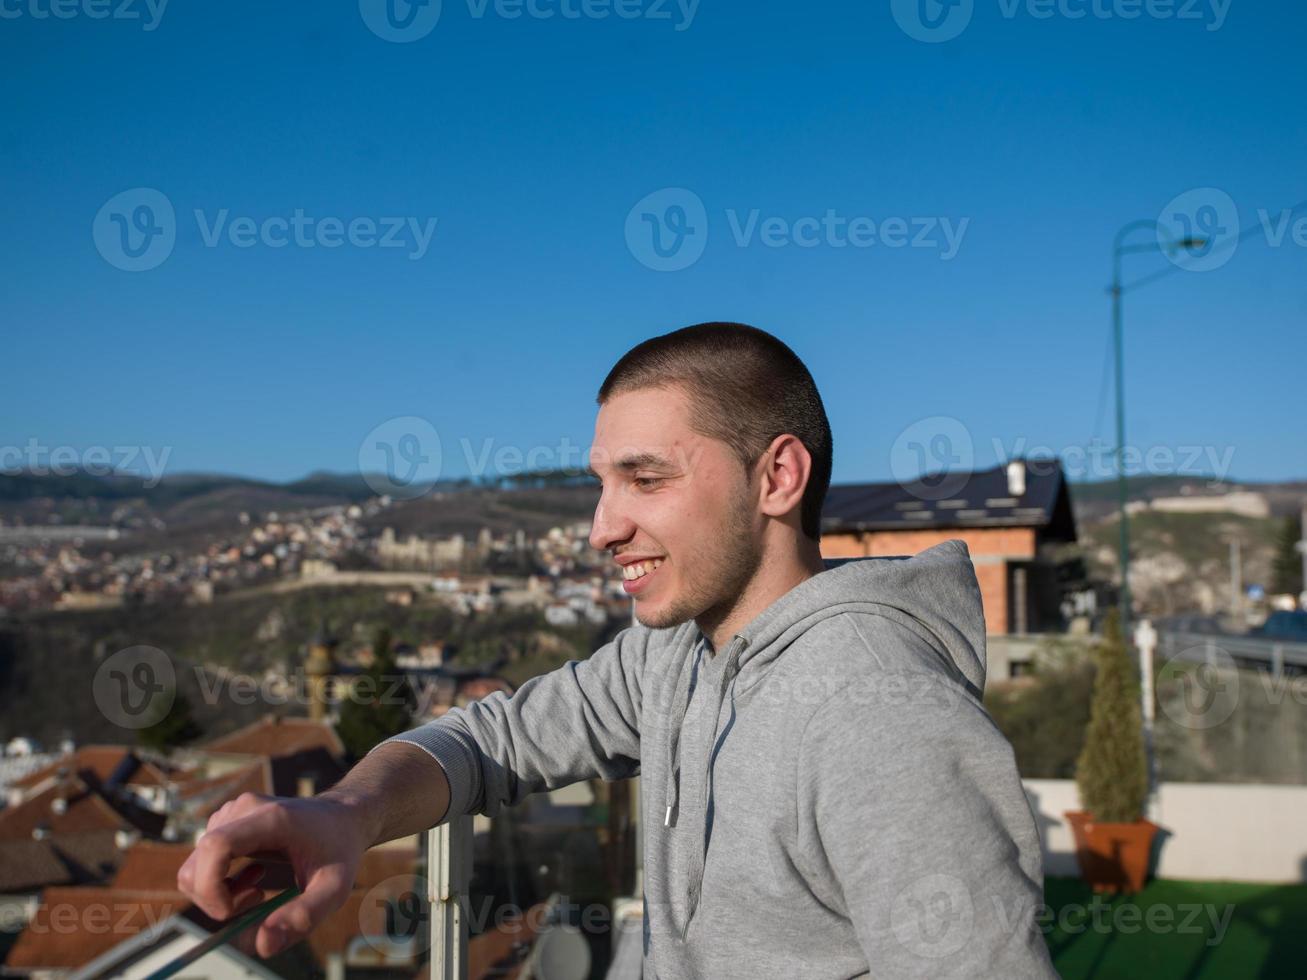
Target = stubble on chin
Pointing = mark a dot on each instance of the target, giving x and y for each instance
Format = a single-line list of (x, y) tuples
[(727, 566)]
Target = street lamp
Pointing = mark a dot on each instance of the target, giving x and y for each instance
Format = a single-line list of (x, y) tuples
[(1120, 248)]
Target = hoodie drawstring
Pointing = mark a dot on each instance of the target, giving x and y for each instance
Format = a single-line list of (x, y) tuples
[(681, 705), (676, 718)]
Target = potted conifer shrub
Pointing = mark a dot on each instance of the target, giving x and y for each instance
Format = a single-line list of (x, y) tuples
[(1113, 839)]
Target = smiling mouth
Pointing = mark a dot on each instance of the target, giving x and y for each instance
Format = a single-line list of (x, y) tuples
[(636, 577), (639, 569)]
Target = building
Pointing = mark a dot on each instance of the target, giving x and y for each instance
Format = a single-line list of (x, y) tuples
[(1012, 517)]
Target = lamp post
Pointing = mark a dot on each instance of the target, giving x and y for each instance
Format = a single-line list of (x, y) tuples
[(1119, 249)]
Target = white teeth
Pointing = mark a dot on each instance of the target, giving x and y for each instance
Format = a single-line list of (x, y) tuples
[(640, 569)]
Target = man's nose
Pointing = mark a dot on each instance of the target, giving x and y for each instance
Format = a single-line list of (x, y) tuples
[(609, 526)]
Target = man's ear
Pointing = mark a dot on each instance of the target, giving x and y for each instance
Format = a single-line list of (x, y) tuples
[(785, 469)]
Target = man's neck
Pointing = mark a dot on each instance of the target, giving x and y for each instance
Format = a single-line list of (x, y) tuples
[(772, 581)]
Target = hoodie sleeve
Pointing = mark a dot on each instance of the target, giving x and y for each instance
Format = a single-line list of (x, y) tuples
[(909, 800), (579, 721)]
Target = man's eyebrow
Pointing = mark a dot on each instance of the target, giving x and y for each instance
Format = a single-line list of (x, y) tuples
[(637, 461)]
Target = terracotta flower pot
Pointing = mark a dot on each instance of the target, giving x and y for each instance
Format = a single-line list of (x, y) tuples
[(1113, 857)]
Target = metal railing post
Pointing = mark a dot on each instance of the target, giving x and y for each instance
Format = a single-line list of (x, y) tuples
[(449, 856)]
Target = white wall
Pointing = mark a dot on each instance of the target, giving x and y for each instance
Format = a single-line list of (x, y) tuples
[(1213, 831)]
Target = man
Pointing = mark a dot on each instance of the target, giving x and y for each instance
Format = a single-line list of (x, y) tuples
[(823, 794)]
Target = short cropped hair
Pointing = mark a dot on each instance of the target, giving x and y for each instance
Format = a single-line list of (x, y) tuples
[(745, 387)]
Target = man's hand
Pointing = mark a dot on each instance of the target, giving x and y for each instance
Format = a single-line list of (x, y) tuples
[(323, 837)]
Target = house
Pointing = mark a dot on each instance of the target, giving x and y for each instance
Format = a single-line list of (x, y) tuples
[(1012, 517)]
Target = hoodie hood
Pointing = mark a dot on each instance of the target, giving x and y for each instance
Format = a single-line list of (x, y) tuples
[(935, 594)]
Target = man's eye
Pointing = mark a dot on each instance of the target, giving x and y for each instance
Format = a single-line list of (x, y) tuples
[(647, 482)]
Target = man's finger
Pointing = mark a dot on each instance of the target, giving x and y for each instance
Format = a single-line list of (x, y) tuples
[(259, 831), (325, 892)]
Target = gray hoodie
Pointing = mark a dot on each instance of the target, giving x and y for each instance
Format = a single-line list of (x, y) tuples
[(824, 798)]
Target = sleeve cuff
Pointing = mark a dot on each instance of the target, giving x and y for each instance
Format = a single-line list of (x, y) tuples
[(455, 757)]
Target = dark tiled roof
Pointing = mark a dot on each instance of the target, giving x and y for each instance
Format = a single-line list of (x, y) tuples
[(26, 865), (981, 498)]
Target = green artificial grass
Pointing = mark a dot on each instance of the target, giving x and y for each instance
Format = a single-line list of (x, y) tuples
[(1177, 930)]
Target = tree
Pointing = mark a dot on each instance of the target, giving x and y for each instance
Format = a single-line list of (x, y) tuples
[(1286, 567), (1045, 717), (1112, 771), (175, 728), (380, 705)]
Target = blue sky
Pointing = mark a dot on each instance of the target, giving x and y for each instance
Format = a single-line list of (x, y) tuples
[(1032, 135)]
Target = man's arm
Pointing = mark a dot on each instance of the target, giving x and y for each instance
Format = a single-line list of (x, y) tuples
[(911, 798), (579, 721)]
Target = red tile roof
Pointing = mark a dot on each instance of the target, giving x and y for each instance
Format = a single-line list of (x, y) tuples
[(274, 736), (72, 926), (151, 866), (84, 810), (95, 764), (206, 795)]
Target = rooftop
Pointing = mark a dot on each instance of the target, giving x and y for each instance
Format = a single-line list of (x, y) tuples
[(1034, 495)]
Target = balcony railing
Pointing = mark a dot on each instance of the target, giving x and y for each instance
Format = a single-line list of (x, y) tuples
[(449, 874)]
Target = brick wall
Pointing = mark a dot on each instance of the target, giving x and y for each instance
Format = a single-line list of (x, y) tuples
[(991, 549)]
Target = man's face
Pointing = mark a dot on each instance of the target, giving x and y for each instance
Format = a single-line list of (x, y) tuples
[(675, 499)]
